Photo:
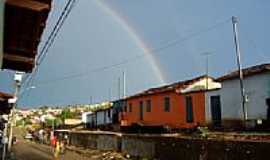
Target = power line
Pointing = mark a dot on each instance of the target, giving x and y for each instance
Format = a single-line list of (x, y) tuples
[(55, 29), (157, 50), (29, 80), (52, 36)]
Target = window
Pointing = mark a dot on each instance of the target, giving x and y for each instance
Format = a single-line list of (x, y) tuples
[(148, 105), (167, 104), (189, 109), (130, 107), (141, 110)]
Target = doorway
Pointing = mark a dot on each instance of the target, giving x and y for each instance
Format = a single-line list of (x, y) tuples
[(268, 108), (216, 110)]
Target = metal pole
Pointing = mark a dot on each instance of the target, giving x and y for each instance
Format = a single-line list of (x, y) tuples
[(4, 141), (124, 84), (238, 54), (207, 54), (53, 125), (12, 116), (91, 100), (119, 87), (109, 94)]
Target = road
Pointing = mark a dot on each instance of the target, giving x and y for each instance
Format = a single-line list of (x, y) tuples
[(28, 150), (25, 150)]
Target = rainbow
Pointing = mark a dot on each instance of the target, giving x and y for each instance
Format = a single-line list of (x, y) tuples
[(135, 37)]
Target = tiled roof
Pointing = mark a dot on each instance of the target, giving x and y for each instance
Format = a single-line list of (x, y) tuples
[(170, 87), (253, 70)]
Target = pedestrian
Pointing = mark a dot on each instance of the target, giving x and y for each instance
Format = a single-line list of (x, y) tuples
[(53, 142), (62, 147), (57, 150)]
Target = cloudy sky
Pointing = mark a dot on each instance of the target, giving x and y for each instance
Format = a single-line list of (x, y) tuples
[(155, 41)]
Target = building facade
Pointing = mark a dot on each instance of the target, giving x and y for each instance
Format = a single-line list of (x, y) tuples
[(179, 105), (223, 106)]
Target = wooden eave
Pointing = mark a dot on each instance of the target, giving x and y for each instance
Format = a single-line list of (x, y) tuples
[(24, 23)]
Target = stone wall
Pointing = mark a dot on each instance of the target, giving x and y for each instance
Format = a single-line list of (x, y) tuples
[(173, 148)]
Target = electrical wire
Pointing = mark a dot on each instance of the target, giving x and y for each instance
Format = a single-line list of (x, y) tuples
[(29, 80), (138, 56)]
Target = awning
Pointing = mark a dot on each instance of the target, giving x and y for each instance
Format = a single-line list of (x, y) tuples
[(21, 43), (4, 106)]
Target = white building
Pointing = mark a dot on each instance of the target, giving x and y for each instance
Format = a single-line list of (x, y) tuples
[(223, 106), (104, 116), (86, 117)]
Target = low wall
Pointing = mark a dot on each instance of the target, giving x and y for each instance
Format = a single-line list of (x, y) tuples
[(95, 140), (173, 148)]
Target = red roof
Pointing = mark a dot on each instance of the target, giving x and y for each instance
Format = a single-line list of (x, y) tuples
[(170, 87), (253, 70)]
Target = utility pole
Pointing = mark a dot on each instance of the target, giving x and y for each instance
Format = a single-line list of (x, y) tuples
[(91, 100), (238, 55), (17, 79), (119, 87), (124, 84), (109, 94)]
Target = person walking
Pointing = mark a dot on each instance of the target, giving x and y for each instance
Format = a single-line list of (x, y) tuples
[(57, 150), (53, 143)]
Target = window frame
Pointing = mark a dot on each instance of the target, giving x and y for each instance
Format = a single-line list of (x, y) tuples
[(130, 107), (167, 104), (148, 105)]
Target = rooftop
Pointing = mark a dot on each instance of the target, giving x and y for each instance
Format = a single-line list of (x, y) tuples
[(253, 70), (171, 87)]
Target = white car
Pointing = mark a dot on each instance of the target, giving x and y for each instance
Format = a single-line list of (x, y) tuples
[(28, 136)]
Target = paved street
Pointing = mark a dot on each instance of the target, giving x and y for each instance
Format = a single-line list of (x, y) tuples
[(25, 150), (28, 150)]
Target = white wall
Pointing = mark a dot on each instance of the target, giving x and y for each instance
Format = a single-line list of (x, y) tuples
[(100, 117), (257, 88), (87, 117)]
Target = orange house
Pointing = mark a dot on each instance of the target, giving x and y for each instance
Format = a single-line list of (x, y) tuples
[(178, 105)]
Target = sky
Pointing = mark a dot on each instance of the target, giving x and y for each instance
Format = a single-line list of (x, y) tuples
[(160, 42)]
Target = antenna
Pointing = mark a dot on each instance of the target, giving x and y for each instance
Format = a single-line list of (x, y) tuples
[(124, 84)]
